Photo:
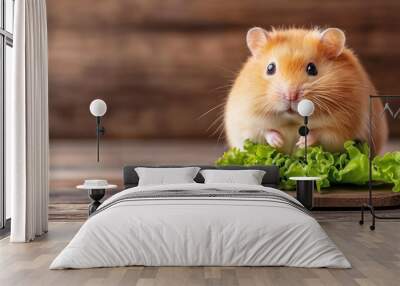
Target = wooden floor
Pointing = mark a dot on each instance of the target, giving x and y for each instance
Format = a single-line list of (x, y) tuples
[(72, 161), (375, 257)]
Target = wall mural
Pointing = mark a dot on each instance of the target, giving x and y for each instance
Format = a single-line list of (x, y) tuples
[(190, 87)]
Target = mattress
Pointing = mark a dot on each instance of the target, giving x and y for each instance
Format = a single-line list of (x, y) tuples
[(201, 225)]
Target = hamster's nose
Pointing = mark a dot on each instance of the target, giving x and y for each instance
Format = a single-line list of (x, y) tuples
[(292, 95)]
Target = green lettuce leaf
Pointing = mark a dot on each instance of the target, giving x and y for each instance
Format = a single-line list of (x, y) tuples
[(348, 167)]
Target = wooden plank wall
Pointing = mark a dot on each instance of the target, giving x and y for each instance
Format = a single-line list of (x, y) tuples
[(160, 64)]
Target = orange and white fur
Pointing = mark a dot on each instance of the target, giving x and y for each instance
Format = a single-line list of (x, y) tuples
[(288, 65)]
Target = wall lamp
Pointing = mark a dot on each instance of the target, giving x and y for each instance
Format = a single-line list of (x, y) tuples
[(305, 108), (98, 108)]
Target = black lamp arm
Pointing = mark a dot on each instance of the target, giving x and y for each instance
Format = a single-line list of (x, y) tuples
[(100, 130), (305, 138), (303, 131)]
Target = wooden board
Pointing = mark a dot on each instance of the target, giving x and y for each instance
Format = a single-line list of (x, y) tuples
[(353, 197), (161, 64)]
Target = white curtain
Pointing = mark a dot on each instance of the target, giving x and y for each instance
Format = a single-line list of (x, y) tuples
[(27, 143)]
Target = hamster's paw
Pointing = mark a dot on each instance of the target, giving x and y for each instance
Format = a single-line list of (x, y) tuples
[(274, 138), (311, 140)]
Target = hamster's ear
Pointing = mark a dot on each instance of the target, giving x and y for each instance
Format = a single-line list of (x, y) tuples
[(256, 38), (333, 40)]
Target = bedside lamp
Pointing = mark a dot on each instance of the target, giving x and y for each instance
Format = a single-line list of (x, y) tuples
[(305, 108), (98, 108)]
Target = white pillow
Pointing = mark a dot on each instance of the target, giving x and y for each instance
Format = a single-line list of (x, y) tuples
[(248, 177), (163, 176)]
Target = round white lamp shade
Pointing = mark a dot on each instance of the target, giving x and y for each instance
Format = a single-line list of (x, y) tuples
[(98, 107), (305, 107)]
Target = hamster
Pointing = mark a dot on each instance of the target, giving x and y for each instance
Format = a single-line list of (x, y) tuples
[(288, 65)]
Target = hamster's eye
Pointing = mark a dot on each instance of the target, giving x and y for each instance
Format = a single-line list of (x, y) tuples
[(311, 69), (271, 68)]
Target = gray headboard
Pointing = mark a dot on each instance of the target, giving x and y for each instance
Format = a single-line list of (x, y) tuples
[(271, 177)]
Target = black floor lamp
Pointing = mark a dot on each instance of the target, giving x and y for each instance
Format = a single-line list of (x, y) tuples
[(369, 206)]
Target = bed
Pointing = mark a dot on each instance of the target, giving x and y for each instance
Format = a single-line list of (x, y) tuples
[(198, 224)]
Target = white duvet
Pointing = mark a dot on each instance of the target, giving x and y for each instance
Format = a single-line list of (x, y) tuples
[(192, 231)]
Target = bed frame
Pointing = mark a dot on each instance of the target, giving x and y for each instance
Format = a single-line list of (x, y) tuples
[(270, 179)]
